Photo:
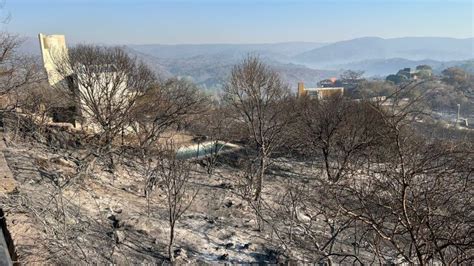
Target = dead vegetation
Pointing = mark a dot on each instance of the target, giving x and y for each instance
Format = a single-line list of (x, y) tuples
[(332, 181)]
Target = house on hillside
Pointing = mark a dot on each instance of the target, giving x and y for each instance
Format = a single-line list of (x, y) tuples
[(319, 92), (94, 87), (350, 86), (407, 74), (329, 83)]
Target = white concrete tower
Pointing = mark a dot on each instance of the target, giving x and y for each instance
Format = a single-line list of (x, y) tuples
[(53, 47)]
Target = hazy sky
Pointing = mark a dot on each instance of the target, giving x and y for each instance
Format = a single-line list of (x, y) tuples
[(238, 21)]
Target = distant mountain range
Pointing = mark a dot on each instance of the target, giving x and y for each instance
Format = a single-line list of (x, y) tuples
[(370, 48), (274, 50), (209, 64)]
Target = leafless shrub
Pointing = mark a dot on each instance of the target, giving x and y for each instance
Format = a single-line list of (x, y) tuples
[(414, 198), (15, 70), (173, 177), (215, 127), (406, 192), (163, 107), (255, 94), (63, 230)]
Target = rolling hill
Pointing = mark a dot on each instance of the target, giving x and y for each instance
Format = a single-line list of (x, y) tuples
[(209, 64)]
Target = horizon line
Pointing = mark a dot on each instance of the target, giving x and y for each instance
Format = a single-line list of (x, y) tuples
[(251, 43)]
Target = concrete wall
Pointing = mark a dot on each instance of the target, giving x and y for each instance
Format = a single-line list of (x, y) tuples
[(7, 250), (7, 185)]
